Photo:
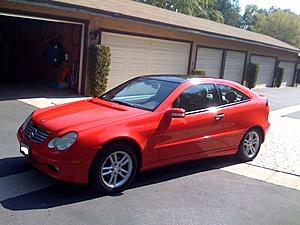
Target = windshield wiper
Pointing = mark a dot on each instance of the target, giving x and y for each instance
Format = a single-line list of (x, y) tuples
[(123, 103)]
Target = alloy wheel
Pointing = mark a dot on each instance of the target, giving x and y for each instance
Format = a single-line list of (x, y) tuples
[(116, 169), (251, 144)]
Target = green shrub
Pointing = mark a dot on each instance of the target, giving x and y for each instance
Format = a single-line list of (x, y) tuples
[(298, 76), (199, 72), (252, 75), (279, 76), (99, 67)]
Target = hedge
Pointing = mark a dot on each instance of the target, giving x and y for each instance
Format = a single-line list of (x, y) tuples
[(279, 77), (252, 75), (99, 67), (199, 72)]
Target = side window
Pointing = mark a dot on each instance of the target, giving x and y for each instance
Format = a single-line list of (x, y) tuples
[(197, 97), (230, 95)]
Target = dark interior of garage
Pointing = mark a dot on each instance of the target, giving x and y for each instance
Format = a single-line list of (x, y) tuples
[(41, 52)]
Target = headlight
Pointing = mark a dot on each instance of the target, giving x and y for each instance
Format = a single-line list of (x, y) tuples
[(64, 142), (23, 126)]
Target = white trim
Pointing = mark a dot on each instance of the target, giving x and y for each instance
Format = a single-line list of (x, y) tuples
[(81, 58), (59, 21), (38, 18)]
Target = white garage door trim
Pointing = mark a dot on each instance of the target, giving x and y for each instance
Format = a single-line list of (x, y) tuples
[(289, 72), (79, 88), (210, 60), (135, 55), (266, 69), (234, 65)]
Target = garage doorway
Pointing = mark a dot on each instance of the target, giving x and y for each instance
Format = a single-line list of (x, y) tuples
[(265, 71), (210, 60), (41, 51), (288, 72)]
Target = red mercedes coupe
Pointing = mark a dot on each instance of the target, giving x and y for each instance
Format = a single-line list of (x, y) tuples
[(146, 122)]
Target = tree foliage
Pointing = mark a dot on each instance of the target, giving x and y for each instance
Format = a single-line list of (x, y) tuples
[(249, 17), (222, 11), (199, 8), (281, 24), (230, 10)]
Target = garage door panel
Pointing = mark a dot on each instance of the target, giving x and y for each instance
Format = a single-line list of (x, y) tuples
[(137, 67), (138, 54), (141, 56), (209, 60), (158, 56), (175, 68), (156, 68), (266, 69), (288, 74), (234, 66)]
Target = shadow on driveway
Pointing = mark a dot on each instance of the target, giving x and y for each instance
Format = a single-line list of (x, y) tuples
[(13, 165), (65, 193), (25, 91)]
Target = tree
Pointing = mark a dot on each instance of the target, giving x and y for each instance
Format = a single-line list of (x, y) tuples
[(281, 24), (248, 19), (230, 10), (198, 8)]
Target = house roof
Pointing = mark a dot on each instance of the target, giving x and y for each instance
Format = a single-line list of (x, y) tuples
[(146, 13)]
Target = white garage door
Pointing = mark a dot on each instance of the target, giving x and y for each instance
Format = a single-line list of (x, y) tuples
[(234, 66), (134, 56), (266, 69), (210, 60), (288, 75)]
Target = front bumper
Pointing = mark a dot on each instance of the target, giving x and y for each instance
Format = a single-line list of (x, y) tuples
[(63, 166)]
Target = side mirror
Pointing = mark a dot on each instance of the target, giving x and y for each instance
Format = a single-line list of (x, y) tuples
[(175, 113)]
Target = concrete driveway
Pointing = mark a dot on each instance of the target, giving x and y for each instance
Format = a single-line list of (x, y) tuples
[(199, 192)]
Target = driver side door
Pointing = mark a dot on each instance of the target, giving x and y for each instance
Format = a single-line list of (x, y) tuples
[(200, 130)]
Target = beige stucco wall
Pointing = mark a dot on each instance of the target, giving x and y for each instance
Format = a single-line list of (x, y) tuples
[(100, 22)]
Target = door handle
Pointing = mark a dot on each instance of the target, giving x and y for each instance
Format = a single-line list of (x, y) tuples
[(219, 116)]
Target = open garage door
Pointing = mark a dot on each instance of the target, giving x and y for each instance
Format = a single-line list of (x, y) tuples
[(134, 56), (41, 51), (266, 69), (210, 60), (234, 66), (288, 75)]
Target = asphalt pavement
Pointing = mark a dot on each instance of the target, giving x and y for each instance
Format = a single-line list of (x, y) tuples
[(197, 192)]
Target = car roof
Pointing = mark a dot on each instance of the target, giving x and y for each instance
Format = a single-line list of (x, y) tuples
[(181, 78)]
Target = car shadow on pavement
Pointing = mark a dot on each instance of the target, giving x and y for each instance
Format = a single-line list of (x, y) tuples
[(13, 165), (65, 193)]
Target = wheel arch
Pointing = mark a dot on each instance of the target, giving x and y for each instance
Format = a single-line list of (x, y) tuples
[(124, 140), (261, 131)]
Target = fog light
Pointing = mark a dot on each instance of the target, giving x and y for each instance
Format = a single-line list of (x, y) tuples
[(53, 168)]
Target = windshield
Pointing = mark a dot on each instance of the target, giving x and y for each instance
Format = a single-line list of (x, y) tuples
[(143, 92)]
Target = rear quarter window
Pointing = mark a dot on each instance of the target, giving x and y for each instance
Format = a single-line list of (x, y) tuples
[(231, 95)]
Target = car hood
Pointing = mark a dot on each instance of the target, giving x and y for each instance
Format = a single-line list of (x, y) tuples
[(82, 115)]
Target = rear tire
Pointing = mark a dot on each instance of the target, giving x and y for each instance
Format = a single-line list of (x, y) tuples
[(113, 169), (249, 145)]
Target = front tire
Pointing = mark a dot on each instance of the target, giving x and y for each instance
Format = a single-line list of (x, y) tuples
[(249, 145), (113, 169)]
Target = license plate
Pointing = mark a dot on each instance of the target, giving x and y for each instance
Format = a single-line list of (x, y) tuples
[(24, 149)]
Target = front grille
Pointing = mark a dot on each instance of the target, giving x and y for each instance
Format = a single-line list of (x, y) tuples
[(35, 133)]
